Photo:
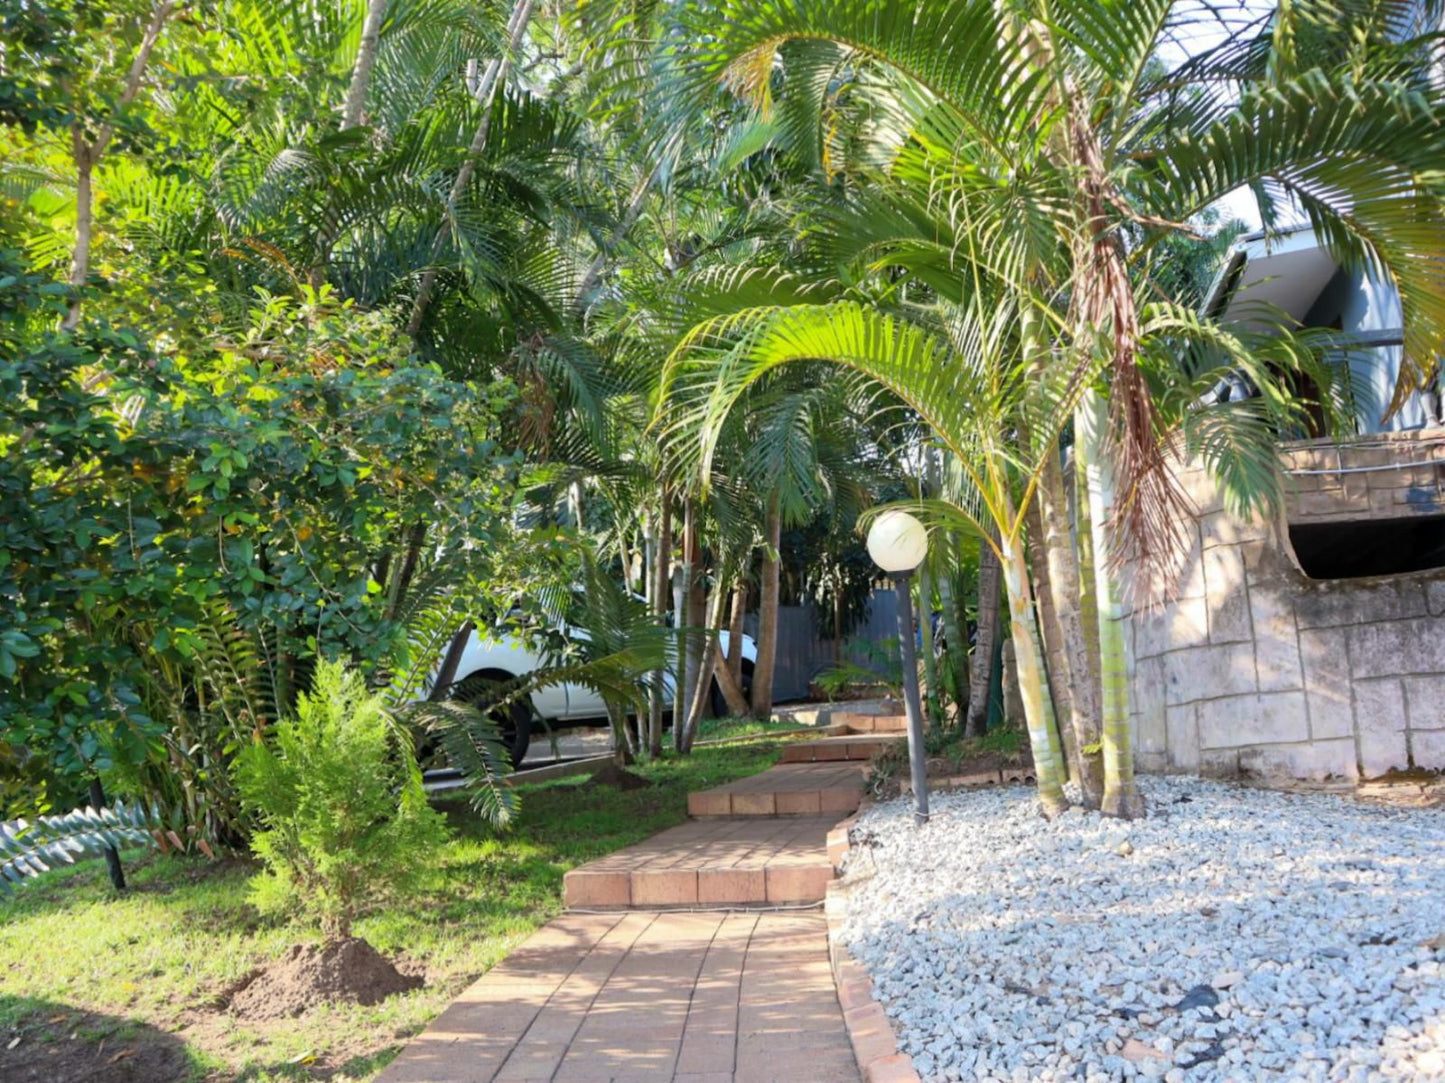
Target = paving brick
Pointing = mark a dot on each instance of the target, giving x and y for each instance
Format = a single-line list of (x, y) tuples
[(583, 887), (731, 886), (664, 887), (754, 804), (895, 1069), (798, 804), (709, 803), (801, 884)]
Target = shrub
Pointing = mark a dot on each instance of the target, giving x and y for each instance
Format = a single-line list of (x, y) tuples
[(338, 794)]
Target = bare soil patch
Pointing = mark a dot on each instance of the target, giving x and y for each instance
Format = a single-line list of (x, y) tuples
[(619, 778), (73, 1046), (312, 974)]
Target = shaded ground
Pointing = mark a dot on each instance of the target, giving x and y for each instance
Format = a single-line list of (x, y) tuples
[(161, 957), (47, 1042)]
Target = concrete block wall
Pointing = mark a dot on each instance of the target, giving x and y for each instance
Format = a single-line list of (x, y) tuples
[(1254, 668)]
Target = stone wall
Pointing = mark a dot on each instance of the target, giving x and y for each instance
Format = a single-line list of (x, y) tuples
[(1255, 668)]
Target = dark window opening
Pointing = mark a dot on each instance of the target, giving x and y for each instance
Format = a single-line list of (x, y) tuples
[(1374, 547)]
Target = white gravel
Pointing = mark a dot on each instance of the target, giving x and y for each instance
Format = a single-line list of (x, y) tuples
[(1236, 934)]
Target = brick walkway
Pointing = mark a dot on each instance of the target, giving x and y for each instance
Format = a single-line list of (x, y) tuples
[(715, 862), (687, 995), (632, 997)]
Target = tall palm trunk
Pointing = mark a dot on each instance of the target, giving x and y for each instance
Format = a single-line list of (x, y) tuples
[(1056, 676), (1088, 593), (980, 683), (702, 689), (1043, 735), (932, 703), (1074, 637), (766, 664), (955, 656), (1121, 792), (351, 110), (87, 152), (735, 630), (661, 592), (494, 78), (694, 616)]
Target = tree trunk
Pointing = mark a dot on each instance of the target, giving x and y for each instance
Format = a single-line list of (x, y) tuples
[(1074, 638), (1043, 737), (768, 614), (1088, 592), (956, 642), (732, 690), (661, 589), (496, 76), (1121, 793), (622, 751), (401, 582), (112, 857), (702, 689), (693, 617), (84, 224), (447, 674), (351, 110), (87, 155), (933, 703), (735, 630), (1059, 690), (980, 681)]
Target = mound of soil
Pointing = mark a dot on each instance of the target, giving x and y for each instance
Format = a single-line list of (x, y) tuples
[(618, 778), (311, 974)]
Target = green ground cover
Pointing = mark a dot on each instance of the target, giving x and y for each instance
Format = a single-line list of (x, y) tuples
[(84, 964)]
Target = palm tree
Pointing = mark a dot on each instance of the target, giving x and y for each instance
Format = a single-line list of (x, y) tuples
[(1048, 134), (965, 381)]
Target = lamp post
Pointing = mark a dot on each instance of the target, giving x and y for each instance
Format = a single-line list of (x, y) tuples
[(897, 542)]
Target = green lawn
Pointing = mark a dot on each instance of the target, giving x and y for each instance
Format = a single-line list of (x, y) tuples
[(711, 729), (159, 955)]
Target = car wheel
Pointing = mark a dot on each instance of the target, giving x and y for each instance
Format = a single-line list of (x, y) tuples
[(517, 731), (514, 725)]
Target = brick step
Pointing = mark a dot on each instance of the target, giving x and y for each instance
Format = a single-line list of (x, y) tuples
[(847, 747), (859, 722), (789, 789), (751, 861)]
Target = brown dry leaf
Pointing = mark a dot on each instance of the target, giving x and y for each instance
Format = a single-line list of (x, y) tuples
[(1435, 943), (121, 1056)]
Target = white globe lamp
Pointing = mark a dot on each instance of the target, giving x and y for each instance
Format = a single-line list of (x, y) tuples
[(898, 542)]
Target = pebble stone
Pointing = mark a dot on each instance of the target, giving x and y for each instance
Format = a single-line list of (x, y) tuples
[(1235, 934)]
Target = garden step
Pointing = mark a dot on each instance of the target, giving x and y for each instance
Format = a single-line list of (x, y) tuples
[(751, 861), (869, 722), (846, 747), (789, 789)]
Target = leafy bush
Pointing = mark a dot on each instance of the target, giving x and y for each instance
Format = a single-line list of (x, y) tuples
[(184, 528), (338, 794)]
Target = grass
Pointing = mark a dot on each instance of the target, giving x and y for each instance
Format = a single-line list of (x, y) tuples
[(712, 729), (158, 955)]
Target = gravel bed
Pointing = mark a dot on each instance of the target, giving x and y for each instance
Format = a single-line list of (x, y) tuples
[(1236, 934)]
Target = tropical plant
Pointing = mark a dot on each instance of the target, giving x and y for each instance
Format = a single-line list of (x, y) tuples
[(344, 820), (1044, 149), (29, 849)]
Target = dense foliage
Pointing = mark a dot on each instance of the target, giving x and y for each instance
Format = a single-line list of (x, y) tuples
[(344, 821)]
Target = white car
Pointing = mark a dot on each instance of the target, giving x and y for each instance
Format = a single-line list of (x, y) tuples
[(488, 660)]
